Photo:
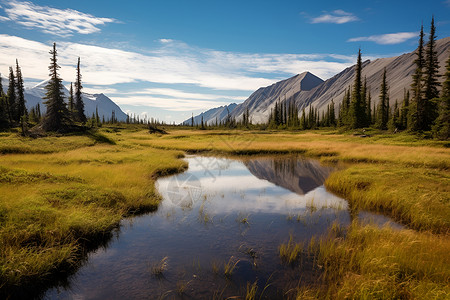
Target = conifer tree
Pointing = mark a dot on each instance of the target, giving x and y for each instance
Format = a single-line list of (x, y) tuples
[(332, 115), (79, 104), (303, 122), (431, 66), (71, 103), (356, 112), (431, 78), (394, 121), (4, 118), (97, 118), (441, 128), (57, 116), (383, 105), (416, 110), (404, 110), (21, 108), (369, 109), (11, 97)]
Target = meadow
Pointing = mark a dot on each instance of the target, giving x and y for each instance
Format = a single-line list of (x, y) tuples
[(61, 195)]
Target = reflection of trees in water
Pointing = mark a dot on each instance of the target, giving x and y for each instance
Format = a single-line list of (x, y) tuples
[(295, 174)]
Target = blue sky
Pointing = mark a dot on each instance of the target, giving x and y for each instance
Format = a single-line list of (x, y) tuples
[(169, 59)]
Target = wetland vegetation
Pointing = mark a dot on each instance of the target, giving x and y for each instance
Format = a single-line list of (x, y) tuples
[(64, 195)]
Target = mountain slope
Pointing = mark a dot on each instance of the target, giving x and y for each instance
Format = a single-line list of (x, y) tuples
[(306, 89), (105, 106), (399, 70), (261, 101), (210, 116)]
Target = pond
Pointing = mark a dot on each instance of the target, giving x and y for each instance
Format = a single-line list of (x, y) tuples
[(217, 230)]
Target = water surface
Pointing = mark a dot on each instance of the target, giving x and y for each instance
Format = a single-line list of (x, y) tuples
[(220, 211)]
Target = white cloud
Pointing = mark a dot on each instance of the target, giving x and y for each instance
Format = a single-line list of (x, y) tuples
[(337, 17), (214, 77), (61, 22), (170, 64), (386, 39)]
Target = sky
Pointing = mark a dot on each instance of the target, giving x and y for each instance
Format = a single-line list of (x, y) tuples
[(170, 59)]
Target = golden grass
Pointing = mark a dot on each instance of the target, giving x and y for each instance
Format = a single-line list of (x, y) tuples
[(382, 263), (400, 175), (54, 202), (60, 192)]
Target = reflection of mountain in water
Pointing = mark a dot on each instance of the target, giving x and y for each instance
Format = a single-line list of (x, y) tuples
[(297, 175)]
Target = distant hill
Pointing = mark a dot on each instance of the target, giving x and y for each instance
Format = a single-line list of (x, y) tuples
[(307, 89), (105, 105)]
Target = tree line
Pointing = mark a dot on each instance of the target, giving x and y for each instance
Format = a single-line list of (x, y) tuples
[(59, 116), (421, 109)]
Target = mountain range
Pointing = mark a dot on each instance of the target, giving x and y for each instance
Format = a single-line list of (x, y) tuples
[(306, 89), (105, 105)]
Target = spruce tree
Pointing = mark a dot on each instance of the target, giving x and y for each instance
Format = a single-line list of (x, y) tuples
[(71, 103), (79, 104), (441, 128), (369, 109), (11, 97), (383, 105), (21, 107), (57, 117), (416, 110), (356, 114), (332, 116), (431, 66), (303, 121), (431, 78), (97, 118), (4, 117), (404, 110), (394, 121)]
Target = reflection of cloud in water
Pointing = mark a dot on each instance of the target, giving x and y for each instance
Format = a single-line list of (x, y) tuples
[(231, 187)]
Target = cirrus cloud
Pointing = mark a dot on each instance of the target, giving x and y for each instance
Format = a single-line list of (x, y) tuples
[(60, 22), (337, 17), (386, 39)]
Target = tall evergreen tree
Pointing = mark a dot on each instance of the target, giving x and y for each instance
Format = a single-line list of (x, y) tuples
[(79, 104), (332, 115), (404, 110), (303, 121), (57, 116), (383, 105), (21, 107), (4, 117), (356, 114), (11, 97), (394, 121), (71, 103), (431, 66), (431, 74), (441, 128), (416, 110), (369, 109)]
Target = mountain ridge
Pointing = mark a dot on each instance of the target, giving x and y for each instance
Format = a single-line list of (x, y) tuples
[(399, 70)]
